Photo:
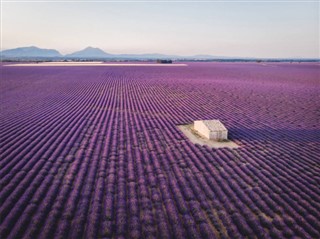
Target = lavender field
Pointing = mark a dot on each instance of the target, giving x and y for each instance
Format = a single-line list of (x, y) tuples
[(95, 152)]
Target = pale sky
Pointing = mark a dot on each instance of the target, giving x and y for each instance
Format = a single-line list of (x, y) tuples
[(222, 28)]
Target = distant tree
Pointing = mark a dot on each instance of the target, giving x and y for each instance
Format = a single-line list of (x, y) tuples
[(164, 61)]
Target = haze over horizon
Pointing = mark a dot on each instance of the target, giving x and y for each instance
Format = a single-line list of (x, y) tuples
[(247, 29)]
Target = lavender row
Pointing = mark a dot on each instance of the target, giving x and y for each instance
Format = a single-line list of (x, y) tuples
[(100, 154)]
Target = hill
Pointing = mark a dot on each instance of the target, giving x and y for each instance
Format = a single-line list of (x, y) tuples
[(31, 51), (89, 52)]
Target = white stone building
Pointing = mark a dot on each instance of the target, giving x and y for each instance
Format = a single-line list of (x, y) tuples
[(211, 129)]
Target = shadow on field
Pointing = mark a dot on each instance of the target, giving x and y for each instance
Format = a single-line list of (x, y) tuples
[(277, 135)]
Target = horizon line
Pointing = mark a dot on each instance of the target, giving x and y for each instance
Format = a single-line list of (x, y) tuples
[(166, 54)]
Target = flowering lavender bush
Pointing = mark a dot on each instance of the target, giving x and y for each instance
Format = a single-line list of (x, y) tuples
[(94, 152)]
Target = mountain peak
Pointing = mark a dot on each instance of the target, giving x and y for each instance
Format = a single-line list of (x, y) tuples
[(31, 51), (91, 48), (89, 52)]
